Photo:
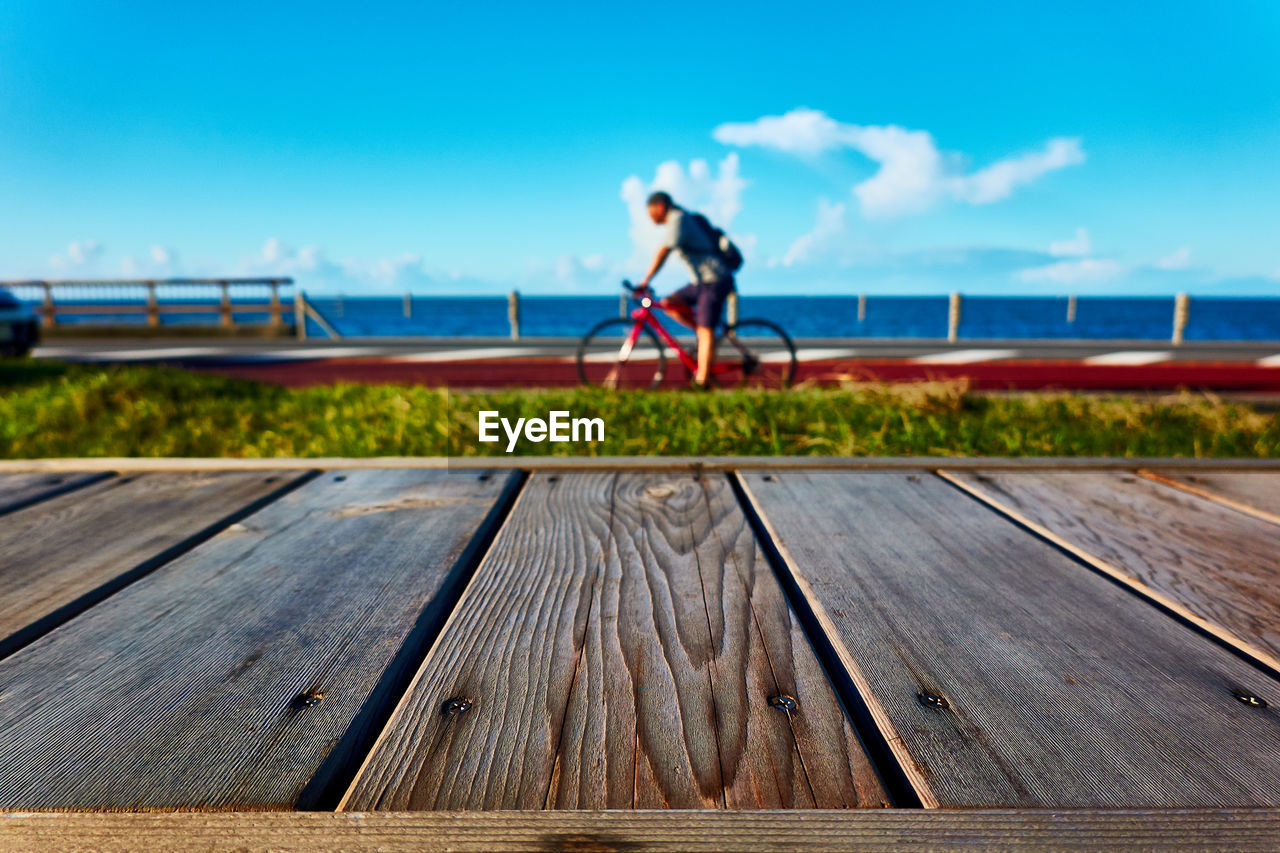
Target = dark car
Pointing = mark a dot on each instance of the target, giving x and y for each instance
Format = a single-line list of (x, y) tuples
[(19, 327)]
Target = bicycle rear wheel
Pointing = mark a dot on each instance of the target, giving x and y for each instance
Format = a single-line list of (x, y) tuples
[(605, 360), (755, 353)]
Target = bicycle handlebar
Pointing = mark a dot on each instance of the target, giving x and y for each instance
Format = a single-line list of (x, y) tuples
[(633, 288)]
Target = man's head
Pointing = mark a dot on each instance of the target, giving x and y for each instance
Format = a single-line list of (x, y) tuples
[(660, 205)]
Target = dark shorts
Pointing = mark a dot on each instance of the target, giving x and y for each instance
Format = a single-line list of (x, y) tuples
[(707, 300)]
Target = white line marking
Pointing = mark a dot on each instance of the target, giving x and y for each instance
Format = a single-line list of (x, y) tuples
[(965, 356), (1128, 357), (812, 353), (646, 354), (1270, 361), (305, 354), (148, 354), (477, 354)]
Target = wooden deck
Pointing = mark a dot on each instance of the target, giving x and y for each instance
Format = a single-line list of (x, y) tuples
[(639, 654)]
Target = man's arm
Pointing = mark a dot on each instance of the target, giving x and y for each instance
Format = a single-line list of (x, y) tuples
[(658, 260)]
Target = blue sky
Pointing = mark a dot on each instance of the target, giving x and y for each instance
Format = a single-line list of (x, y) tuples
[(455, 148)]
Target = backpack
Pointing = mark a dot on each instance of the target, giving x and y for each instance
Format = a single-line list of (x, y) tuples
[(729, 254)]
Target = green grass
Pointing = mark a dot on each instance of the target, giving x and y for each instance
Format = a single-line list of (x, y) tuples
[(49, 410)]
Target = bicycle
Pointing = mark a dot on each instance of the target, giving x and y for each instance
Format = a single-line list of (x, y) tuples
[(626, 352)]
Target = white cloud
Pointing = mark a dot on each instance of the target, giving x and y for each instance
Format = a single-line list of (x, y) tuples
[(80, 255), (717, 195), (1078, 245), (1177, 260), (999, 180), (802, 131), (161, 262), (913, 173), (828, 227), (1082, 271)]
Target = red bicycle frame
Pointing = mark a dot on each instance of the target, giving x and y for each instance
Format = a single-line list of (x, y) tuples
[(644, 317)]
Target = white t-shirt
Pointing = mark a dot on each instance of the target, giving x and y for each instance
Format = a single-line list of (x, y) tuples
[(694, 245)]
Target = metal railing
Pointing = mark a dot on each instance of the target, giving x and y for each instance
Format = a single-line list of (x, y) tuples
[(114, 300)]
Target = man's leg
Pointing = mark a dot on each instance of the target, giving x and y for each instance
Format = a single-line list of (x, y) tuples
[(706, 353), (710, 308), (678, 308)]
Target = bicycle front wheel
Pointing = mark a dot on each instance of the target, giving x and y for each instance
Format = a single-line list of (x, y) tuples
[(755, 353), (605, 359)]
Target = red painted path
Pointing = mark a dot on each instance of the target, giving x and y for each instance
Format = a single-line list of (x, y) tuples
[(1020, 374)]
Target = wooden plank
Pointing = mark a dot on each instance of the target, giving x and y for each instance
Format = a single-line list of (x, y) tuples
[(62, 555), (619, 648), (863, 830), (1207, 562), (20, 490), (250, 668), (1054, 686), (643, 463), (1256, 493)]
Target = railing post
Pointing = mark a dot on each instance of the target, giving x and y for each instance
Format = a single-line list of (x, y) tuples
[(1181, 313), (733, 308), (862, 307), (622, 305), (953, 318), (408, 305), (153, 306), (1071, 308), (300, 314), (513, 314), (50, 314), (226, 303), (276, 320)]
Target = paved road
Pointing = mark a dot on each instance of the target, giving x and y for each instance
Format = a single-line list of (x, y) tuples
[(474, 362)]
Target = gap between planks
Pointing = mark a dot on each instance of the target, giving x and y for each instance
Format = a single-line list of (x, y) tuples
[(1261, 658), (1209, 494)]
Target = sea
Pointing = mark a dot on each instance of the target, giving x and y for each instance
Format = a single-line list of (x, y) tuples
[(1131, 318), (1218, 319)]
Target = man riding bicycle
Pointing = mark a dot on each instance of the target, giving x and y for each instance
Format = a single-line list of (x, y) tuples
[(700, 304)]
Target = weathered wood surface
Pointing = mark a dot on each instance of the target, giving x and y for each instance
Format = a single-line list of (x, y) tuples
[(62, 555), (619, 647), (633, 463), (251, 667), (1253, 492), (861, 830), (1204, 560), (18, 490), (1061, 688)]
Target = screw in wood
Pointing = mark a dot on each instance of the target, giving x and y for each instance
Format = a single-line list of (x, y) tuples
[(339, 478), (783, 702), (308, 699), (1250, 699), (483, 478), (768, 478), (933, 700), (454, 707)]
